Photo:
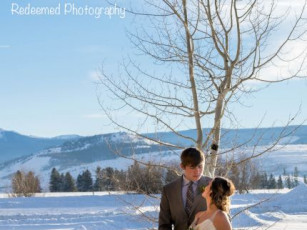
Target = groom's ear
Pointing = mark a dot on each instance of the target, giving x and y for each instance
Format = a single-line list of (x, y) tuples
[(182, 167)]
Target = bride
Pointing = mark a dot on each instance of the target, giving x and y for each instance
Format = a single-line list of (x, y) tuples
[(217, 195)]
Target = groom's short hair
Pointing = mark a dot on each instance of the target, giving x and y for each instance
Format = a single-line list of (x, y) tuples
[(192, 157)]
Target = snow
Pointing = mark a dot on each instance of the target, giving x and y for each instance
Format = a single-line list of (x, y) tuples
[(85, 146), (296, 201), (67, 137), (129, 138), (51, 150), (123, 138), (286, 157), (103, 211), (279, 158), (286, 209), (35, 164)]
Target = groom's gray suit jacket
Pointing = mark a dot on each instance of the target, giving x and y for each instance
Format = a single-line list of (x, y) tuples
[(172, 211)]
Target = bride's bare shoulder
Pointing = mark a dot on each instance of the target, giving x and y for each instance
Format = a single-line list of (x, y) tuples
[(221, 214), (221, 221)]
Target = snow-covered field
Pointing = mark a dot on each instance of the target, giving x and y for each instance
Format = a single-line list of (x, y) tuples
[(285, 209)]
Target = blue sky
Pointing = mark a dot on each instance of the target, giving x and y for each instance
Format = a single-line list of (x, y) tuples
[(48, 64)]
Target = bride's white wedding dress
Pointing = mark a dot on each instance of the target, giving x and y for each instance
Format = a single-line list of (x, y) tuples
[(206, 224)]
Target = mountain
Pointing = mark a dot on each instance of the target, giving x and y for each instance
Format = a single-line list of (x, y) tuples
[(97, 148), (14, 145), (231, 137), (74, 155), (80, 153)]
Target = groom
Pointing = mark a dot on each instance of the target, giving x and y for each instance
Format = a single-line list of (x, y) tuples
[(181, 199)]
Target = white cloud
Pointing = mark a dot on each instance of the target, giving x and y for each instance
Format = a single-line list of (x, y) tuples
[(292, 59)]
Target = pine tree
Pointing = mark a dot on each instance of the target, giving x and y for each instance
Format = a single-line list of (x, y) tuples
[(280, 184), (98, 185), (55, 181), (272, 182), (85, 181), (305, 179), (288, 182), (62, 179), (293, 182), (264, 181), (69, 183), (295, 177), (80, 185), (109, 181)]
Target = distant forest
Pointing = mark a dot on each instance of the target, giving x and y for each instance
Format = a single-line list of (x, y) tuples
[(147, 179)]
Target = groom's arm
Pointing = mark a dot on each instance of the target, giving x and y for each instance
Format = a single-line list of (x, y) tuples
[(165, 220)]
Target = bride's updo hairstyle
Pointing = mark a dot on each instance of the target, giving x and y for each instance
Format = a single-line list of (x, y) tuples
[(221, 189)]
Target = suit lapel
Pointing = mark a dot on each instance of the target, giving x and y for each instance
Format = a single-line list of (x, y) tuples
[(179, 194)]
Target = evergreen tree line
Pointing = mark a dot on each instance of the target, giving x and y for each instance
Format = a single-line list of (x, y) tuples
[(61, 183), (262, 181), (150, 179), (246, 175), (143, 179), (137, 178)]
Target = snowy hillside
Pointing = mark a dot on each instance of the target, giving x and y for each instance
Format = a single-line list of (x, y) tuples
[(285, 209), (14, 145), (77, 155), (286, 158), (230, 137)]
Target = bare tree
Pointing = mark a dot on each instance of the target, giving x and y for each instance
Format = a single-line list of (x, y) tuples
[(146, 180), (25, 184), (212, 51)]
